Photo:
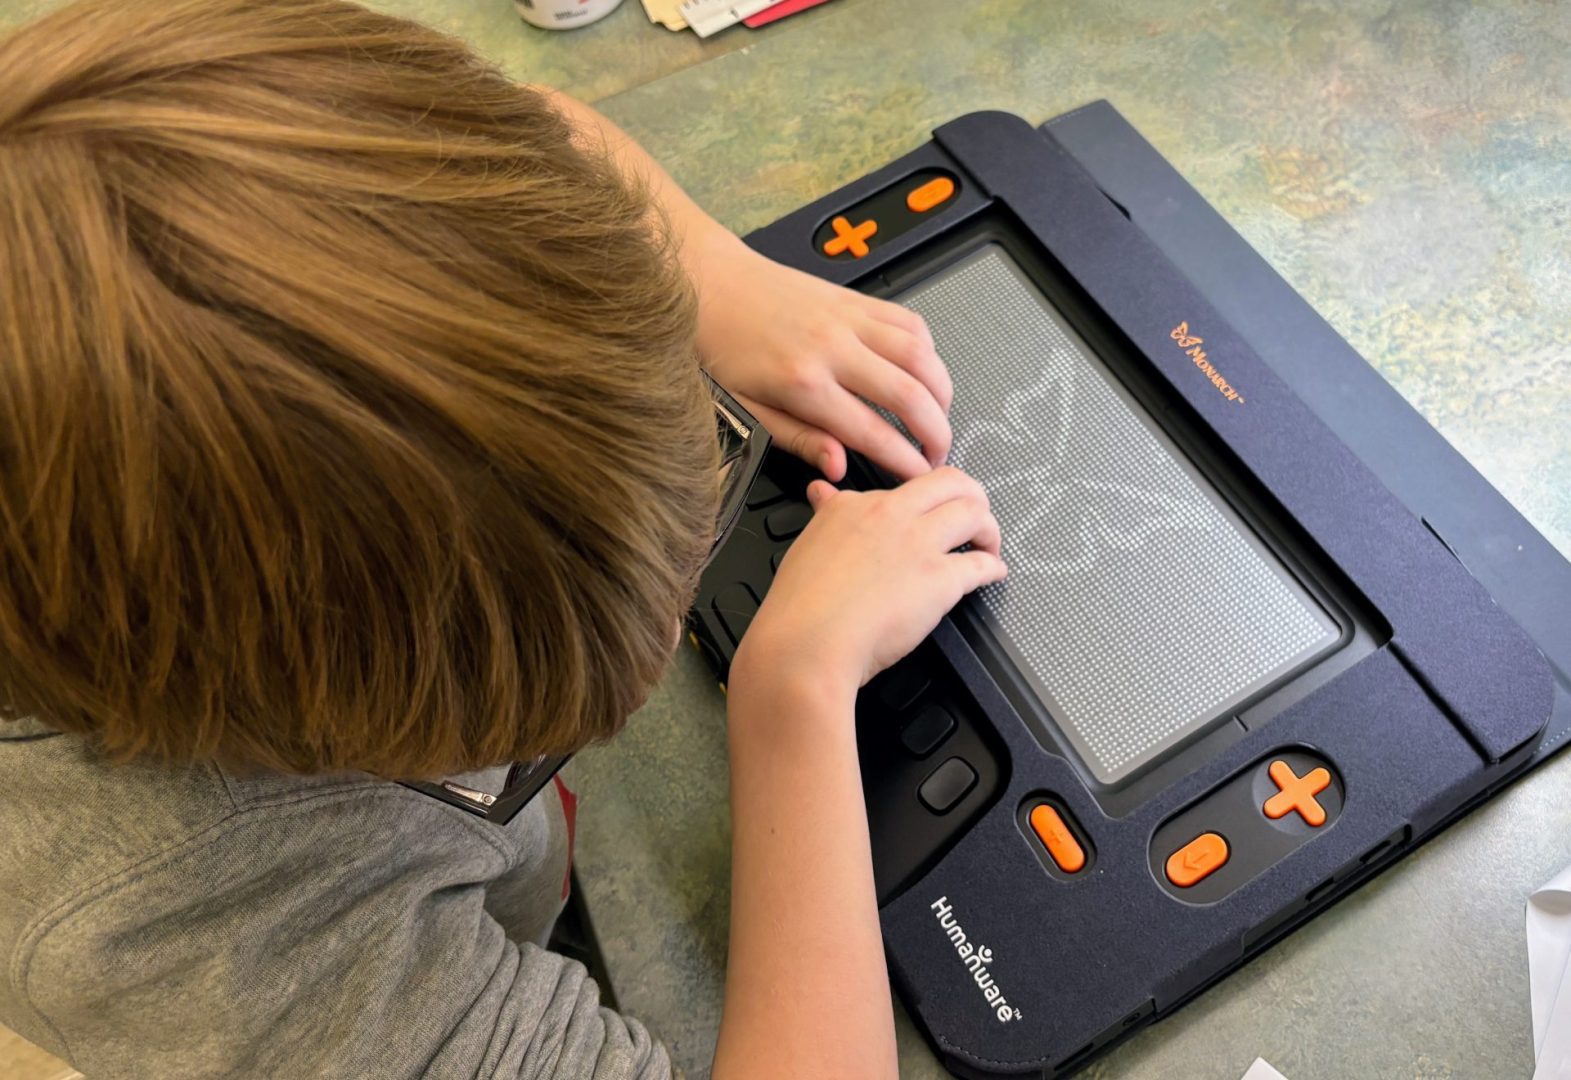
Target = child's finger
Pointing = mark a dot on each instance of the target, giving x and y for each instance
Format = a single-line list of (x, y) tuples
[(860, 428), (813, 445), (895, 315), (819, 492), (973, 569), (911, 351), (965, 520), (875, 378), (938, 487)]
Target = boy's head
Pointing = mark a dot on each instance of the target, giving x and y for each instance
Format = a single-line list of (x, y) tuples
[(349, 413)]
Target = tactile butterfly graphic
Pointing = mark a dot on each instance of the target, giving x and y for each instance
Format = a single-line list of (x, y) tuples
[(1138, 603)]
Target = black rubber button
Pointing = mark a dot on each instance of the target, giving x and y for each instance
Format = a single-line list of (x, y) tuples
[(902, 685), (927, 729), (774, 562), (788, 521), (736, 605), (763, 492), (946, 785)]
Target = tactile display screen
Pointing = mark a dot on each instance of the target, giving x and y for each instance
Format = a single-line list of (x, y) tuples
[(1139, 606)]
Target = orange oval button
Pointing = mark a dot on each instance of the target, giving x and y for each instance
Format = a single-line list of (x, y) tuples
[(930, 194), (1056, 837), (1196, 860)]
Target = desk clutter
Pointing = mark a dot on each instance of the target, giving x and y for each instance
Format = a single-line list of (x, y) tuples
[(1549, 975), (706, 17)]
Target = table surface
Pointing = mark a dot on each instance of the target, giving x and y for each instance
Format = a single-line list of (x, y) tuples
[(1406, 167)]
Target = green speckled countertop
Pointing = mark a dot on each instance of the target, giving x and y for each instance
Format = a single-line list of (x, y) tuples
[(1406, 167)]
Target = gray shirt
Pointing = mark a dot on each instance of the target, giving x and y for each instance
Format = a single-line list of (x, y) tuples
[(191, 922)]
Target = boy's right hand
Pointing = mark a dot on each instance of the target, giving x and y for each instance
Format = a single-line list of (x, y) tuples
[(871, 576), (862, 585)]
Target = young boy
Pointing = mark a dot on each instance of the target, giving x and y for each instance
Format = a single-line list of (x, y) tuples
[(352, 430)]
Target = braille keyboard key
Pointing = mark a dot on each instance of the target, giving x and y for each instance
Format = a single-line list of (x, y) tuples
[(788, 521), (736, 605), (946, 785), (901, 685), (763, 492), (927, 729)]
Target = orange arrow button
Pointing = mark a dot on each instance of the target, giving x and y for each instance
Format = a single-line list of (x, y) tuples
[(1196, 860)]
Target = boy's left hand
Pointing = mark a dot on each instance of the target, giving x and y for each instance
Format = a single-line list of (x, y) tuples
[(802, 354)]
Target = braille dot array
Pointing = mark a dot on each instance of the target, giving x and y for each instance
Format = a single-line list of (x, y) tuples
[(1139, 605)]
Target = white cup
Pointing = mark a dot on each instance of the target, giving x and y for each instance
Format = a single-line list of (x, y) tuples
[(564, 14)]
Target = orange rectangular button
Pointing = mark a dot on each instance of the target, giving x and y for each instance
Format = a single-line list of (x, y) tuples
[(930, 194), (1196, 860), (1056, 837)]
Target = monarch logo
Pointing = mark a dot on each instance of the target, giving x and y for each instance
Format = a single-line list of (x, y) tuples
[(975, 958), (1191, 346)]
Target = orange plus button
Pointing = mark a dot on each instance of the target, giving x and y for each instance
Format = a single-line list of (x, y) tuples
[(1297, 793), (930, 194), (1056, 837), (850, 239), (1197, 860)]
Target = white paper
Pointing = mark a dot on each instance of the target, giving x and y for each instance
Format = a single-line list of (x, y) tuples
[(708, 17), (1262, 1070), (1549, 976)]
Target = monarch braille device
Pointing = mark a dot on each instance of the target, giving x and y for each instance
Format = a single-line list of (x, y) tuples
[(1264, 629)]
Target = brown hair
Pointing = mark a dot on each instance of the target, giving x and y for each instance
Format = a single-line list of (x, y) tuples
[(349, 411)]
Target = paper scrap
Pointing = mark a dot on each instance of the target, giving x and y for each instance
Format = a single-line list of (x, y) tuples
[(1549, 976), (708, 17), (1262, 1070), (668, 13), (778, 11)]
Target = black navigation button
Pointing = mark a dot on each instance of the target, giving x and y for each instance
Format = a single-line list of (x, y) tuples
[(946, 785), (930, 727), (902, 684), (763, 492), (788, 521)]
